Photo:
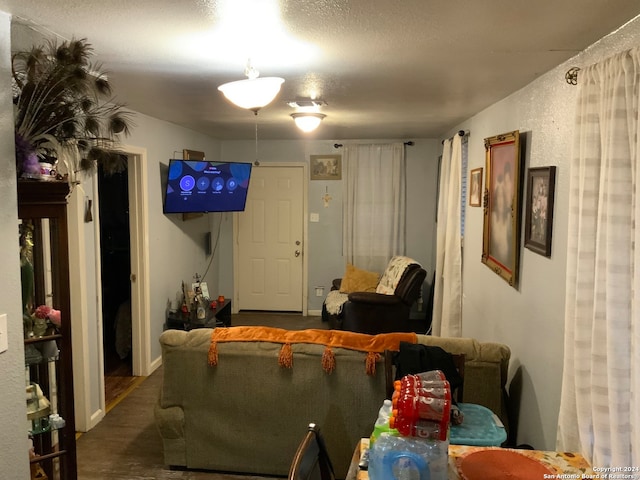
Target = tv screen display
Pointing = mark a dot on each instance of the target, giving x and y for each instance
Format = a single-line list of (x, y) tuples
[(202, 186)]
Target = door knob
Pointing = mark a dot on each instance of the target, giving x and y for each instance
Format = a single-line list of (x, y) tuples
[(297, 253), (297, 242)]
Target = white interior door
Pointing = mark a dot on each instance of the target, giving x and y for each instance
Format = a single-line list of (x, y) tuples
[(270, 241)]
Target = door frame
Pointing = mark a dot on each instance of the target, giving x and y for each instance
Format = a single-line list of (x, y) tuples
[(85, 372), (139, 246), (235, 305)]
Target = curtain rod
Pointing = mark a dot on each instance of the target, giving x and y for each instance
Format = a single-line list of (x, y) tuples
[(461, 133), (572, 75), (338, 145)]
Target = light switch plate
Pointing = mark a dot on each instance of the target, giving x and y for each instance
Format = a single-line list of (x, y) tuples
[(4, 342), (314, 217)]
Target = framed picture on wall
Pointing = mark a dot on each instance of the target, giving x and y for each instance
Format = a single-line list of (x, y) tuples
[(192, 155), (538, 224), (475, 187), (501, 235), (326, 167)]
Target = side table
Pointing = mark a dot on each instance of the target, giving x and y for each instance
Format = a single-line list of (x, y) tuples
[(222, 314), (216, 317)]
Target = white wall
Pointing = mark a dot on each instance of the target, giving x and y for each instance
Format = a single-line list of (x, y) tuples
[(14, 449), (176, 248), (530, 319)]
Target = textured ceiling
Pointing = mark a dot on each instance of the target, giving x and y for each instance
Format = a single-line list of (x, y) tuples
[(386, 68)]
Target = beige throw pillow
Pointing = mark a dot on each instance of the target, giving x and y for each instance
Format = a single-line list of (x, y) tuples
[(358, 280)]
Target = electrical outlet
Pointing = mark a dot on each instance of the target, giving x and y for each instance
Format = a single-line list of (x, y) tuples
[(4, 342), (319, 291)]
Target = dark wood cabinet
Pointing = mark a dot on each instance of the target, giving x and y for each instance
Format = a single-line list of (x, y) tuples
[(42, 210)]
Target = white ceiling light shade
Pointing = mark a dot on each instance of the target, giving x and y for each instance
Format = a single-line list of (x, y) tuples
[(307, 121), (254, 92)]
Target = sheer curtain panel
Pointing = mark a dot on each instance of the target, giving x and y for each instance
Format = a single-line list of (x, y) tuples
[(447, 299), (374, 204), (600, 403)]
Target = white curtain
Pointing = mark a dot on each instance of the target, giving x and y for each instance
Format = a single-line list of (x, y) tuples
[(374, 204), (447, 300), (600, 403)]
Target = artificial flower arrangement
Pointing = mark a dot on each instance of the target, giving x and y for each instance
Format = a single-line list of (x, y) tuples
[(43, 320)]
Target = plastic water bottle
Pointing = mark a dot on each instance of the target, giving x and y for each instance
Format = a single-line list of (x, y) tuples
[(431, 378), (393, 458), (418, 428), (435, 389), (399, 458), (422, 406), (417, 405), (382, 422), (419, 449)]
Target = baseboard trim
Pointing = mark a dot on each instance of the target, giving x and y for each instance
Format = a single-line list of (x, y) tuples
[(314, 313)]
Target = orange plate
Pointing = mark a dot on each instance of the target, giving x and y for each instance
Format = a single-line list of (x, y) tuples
[(500, 465)]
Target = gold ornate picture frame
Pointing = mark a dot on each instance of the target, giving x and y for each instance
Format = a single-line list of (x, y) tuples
[(501, 236)]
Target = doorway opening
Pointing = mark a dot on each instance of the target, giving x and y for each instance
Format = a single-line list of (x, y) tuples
[(115, 260)]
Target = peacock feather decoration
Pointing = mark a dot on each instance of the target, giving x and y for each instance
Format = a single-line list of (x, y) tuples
[(65, 113)]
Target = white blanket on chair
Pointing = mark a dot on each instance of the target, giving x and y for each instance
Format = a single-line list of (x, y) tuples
[(334, 301), (393, 273)]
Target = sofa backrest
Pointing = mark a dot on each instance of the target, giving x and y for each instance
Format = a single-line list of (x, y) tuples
[(249, 411)]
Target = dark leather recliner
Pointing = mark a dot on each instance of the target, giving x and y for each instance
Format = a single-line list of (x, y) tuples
[(373, 313)]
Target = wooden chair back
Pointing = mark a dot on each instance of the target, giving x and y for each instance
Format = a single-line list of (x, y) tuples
[(311, 461)]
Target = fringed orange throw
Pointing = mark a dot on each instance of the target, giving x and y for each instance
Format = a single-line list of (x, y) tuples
[(373, 345)]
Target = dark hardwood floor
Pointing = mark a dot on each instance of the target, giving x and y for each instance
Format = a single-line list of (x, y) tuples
[(118, 379), (126, 445)]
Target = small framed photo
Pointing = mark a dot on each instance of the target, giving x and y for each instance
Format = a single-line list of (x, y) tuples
[(475, 188), (501, 237), (538, 225), (326, 167)]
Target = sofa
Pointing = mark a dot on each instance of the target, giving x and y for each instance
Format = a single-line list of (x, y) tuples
[(247, 414)]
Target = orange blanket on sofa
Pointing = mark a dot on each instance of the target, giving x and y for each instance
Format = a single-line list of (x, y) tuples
[(373, 345)]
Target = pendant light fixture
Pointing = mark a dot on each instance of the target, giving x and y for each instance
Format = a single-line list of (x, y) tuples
[(254, 92)]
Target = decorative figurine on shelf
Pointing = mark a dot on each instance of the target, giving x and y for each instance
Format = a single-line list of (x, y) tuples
[(184, 308), (201, 311)]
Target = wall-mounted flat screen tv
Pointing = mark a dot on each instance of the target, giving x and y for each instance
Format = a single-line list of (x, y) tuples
[(200, 186)]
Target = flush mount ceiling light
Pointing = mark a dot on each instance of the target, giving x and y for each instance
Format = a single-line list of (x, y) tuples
[(254, 92), (307, 121), (307, 103)]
